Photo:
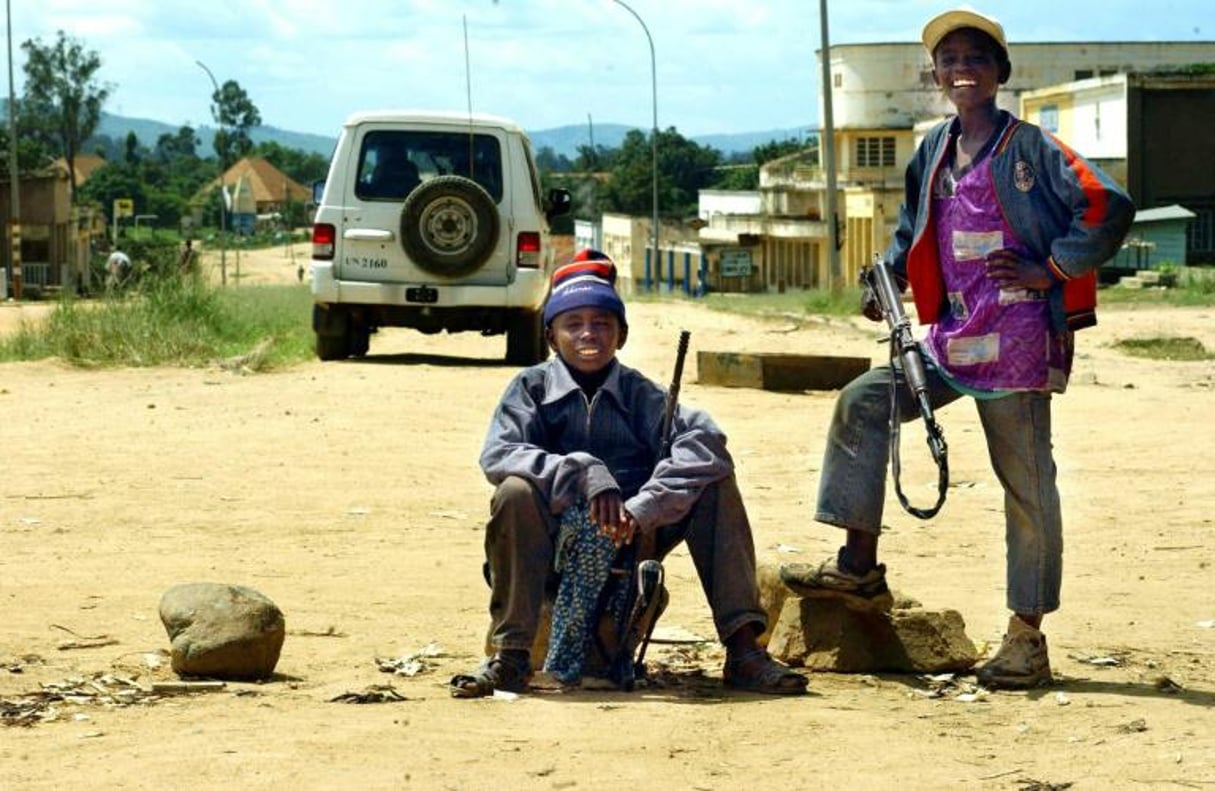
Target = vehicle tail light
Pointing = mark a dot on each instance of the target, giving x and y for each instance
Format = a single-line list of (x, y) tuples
[(324, 238), (527, 250)]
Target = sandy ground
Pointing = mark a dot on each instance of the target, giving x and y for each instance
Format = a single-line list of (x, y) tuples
[(349, 494)]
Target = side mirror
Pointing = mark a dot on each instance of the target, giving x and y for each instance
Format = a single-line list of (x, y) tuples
[(318, 189), (558, 203)]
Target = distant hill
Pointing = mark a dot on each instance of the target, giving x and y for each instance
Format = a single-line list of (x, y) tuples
[(148, 132), (566, 139), (562, 139)]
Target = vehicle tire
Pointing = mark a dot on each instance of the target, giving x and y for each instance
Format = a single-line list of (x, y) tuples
[(360, 341), (525, 341), (332, 347), (449, 226), (334, 335)]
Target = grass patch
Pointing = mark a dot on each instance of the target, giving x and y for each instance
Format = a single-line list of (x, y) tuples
[(1195, 288), (172, 321), (1184, 349)]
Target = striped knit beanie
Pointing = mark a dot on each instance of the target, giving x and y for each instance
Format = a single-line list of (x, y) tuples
[(588, 281)]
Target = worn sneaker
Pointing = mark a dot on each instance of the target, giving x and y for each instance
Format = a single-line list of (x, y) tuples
[(1021, 662), (830, 579)]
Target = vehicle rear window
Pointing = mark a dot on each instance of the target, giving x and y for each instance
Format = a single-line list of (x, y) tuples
[(393, 162)]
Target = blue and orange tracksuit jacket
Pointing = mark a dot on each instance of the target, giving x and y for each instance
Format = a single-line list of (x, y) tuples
[(1072, 215)]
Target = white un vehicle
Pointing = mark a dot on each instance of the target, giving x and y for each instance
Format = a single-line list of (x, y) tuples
[(433, 221)]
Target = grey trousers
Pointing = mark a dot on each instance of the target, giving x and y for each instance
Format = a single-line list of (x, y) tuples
[(520, 544), (1017, 427)]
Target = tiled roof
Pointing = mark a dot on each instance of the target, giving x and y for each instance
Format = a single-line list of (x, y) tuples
[(268, 183)]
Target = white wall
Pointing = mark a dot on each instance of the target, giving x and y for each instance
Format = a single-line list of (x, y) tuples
[(889, 85), (712, 203)]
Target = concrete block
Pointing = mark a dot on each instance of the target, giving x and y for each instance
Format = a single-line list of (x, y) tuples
[(779, 372)]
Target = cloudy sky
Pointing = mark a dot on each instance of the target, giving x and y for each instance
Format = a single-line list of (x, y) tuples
[(723, 66)]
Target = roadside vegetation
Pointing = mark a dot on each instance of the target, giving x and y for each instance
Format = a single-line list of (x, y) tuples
[(174, 321), (1181, 349), (1194, 287), (162, 318)]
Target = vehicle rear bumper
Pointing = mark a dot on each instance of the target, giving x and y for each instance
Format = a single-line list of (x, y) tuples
[(527, 291)]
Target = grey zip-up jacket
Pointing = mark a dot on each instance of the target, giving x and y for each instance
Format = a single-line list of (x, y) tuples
[(569, 447)]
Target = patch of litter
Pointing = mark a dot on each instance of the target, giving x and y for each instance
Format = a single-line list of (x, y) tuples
[(943, 685), (101, 689), (378, 693), (413, 664), (1134, 726), (1107, 660)]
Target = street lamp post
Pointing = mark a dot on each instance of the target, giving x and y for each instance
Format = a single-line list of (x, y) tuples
[(223, 224), (14, 175), (653, 133)]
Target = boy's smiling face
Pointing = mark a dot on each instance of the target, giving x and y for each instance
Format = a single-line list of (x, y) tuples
[(586, 338), (967, 67)]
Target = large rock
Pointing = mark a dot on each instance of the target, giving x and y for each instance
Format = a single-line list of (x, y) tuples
[(825, 634), (222, 631)]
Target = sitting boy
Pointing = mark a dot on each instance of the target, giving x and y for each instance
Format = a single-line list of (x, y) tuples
[(582, 430)]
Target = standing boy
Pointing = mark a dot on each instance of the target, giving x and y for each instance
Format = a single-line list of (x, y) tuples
[(583, 430), (1000, 235)]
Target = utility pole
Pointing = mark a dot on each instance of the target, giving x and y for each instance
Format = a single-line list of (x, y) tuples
[(14, 173), (827, 153)]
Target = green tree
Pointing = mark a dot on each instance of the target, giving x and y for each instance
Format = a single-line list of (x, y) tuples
[(112, 181), (684, 168), (183, 144), (235, 114), (742, 172), (775, 149), (302, 166), (549, 161), (33, 153), (62, 92), (160, 181), (593, 159)]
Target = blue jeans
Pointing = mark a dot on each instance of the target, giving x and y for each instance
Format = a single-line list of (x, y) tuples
[(852, 489)]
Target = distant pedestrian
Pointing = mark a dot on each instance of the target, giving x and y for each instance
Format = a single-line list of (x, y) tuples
[(117, 270), (189, 259)]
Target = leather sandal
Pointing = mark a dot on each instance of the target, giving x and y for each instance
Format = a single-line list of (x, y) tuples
[(773, 678), (497, 672)]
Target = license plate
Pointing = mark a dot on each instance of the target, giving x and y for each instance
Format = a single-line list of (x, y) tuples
[(424, 294)]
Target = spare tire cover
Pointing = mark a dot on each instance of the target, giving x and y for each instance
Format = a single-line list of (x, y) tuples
[(449, 226)]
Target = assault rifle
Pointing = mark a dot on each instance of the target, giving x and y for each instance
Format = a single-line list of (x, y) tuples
[(903, 347), (637, 567)]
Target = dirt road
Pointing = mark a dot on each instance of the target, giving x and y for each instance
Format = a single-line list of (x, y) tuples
[(349, 494)]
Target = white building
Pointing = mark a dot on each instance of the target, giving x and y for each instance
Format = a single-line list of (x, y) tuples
[(883, 100)]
